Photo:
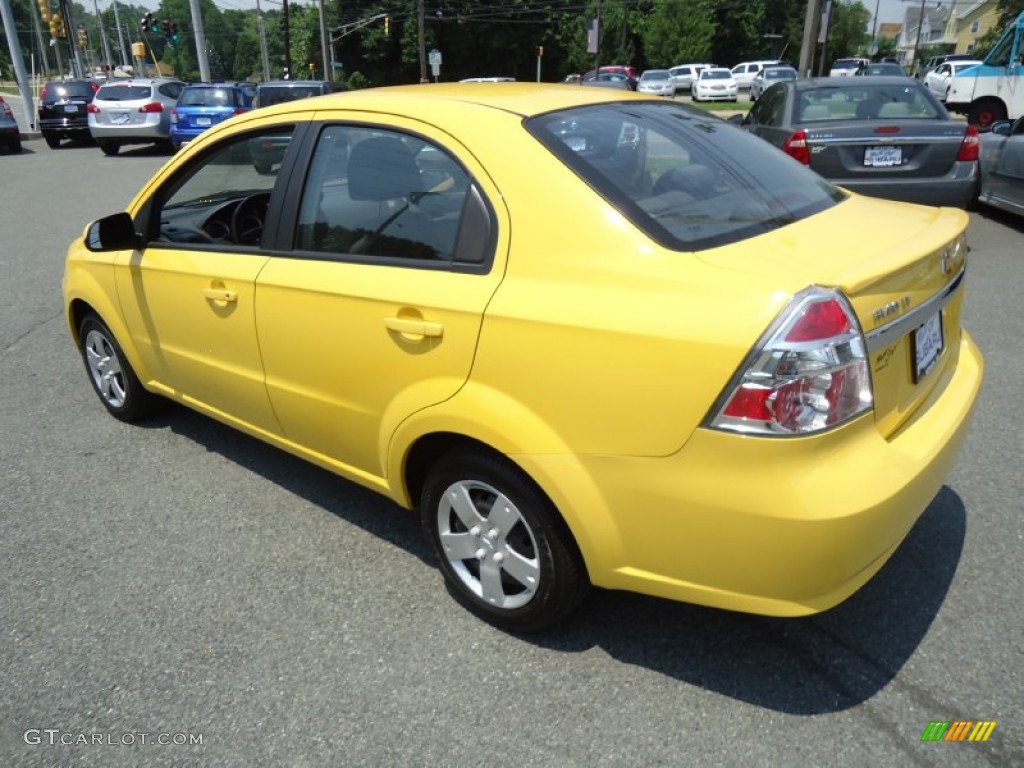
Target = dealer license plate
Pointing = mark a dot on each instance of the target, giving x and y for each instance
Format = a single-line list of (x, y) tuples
[(119, 118), (70, 108), (883, 157), (927, 345), (203, 122)]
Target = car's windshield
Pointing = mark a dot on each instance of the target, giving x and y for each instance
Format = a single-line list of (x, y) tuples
[(846, 64), (780, 74), (661, 74), (278, 94), (715, 74), (687, 179), (65, 91)]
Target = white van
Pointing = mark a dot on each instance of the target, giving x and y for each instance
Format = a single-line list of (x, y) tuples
[(744, 72)]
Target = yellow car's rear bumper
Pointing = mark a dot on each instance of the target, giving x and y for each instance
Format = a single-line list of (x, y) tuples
[(782, 527)]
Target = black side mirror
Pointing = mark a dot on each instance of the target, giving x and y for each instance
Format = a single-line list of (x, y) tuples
[(113, 233), (736, 119)]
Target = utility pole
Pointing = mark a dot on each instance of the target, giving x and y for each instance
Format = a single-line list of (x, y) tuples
[(286, 34), (7, 15), (197, 25), (810, 37), (423, 41), (917, 42), (120, 37), (103, 37), (264, 56), (323, 42)]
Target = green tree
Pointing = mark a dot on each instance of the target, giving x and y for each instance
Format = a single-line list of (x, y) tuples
[(848, 33), (678, 31)]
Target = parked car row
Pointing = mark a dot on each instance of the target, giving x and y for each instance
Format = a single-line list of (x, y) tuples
[(160, 110)]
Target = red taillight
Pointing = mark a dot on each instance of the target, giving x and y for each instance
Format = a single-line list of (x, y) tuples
[(809, 372), (92, 109), (153, 106), (796, 147), (239, 111), (887, 129), (972, 144), (821, 320), (42, 94)]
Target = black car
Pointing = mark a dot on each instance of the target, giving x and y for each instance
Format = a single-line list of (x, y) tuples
[(63, 110), (881, 136)]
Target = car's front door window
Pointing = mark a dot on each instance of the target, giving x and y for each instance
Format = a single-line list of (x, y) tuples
[(223, 200)]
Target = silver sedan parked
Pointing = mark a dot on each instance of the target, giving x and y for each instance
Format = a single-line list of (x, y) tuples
[(136, 111), (1002, 166), (880, 136)]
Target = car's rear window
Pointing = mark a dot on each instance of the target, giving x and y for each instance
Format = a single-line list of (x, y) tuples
[(277, 95), (210, 97), (124, 92), (868, 102), (689, 180), (65, 91)]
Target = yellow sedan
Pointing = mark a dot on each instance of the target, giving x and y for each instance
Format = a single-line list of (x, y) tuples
[(595, 338)]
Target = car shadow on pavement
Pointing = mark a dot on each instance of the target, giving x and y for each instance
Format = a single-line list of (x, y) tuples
[(823, 663)]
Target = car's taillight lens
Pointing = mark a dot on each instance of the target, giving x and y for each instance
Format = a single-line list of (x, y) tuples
[(92, 109), (153, 106), (796, 146), (972, 144), (42, 94), (808, 373), (239, 111), (174, 116)]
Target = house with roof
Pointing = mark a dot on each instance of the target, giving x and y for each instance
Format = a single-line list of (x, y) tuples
[(922, 30)]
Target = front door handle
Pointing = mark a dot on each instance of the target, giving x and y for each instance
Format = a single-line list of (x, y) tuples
[(220, 294), (413, 327)]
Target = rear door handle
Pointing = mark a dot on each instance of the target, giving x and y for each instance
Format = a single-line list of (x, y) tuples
[(220, 294), (414, 327)]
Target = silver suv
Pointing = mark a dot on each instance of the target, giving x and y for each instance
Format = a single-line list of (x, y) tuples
[(136, 111)]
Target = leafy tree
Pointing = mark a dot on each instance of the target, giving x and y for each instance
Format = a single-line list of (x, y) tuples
[(848, 31), (678, 31)]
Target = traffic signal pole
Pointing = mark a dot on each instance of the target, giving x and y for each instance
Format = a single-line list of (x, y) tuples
[(201, 57), (27, 104)]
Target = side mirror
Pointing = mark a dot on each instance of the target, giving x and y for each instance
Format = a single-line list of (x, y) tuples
[(1002, 127), (113, 233), (736, 119)]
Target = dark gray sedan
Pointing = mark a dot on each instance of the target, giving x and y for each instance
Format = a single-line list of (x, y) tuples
[(1002, 166), (880, 136)]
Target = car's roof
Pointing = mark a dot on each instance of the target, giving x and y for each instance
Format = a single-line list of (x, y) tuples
[(520, 98)]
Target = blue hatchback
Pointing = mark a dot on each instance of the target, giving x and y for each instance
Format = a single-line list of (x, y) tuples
[(204, 105)]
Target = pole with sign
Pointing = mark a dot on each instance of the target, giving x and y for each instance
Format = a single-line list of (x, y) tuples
[(434, 60)]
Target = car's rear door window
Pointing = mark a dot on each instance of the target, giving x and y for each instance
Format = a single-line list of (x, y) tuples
[(689, 180)]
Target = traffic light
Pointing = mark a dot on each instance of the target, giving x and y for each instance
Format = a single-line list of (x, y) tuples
[(83, 37), (387, 25), (44, 10), (57, 28), (174, 32), (146, 21)]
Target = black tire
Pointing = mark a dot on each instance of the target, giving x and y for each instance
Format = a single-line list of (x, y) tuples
[(110, 148), (536, 576), (110, 373), (984, 112), (16, 147), (52, 140)]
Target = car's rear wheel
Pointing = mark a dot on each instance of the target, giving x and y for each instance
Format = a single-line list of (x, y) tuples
[(52, 140), (111, 374), (505, 552), (109, 147), (985, 112)]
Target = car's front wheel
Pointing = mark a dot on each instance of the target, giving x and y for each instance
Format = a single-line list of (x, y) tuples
[(111, 374), (504, 550)]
